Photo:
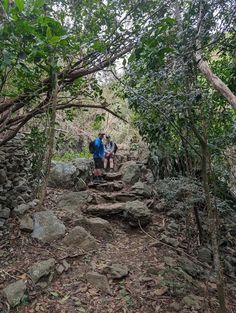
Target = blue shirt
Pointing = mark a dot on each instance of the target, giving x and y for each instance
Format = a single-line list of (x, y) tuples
[(99, 148)]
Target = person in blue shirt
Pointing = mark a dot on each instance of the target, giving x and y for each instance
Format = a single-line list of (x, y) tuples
[(98, 157)]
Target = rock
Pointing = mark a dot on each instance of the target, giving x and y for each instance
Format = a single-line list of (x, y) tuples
[(106, 209), (116, 271), (113, 176), (60, 269), (78, 237), (75, 201), (205, 255), (14, 292), (142, 189), (64, 267), (62, 175), (175, 307), (190, 267), (149, 178), (80, 185), (26, 223), (21, 209), (193, 301), (42, 269), (170, 261), (176, 213), (96, 226), (98, 281), (5, 213), (84, 168), (131, 172), (47, 227), (171, 241), (107, 186), (136, 212)]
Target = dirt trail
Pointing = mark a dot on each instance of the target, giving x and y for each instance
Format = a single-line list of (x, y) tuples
[(155, 282)]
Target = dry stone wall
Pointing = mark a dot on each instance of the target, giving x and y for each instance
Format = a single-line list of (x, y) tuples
[(16, 181)]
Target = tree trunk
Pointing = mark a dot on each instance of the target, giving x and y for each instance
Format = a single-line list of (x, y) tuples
[(50, 140), (217, 83), (213, 227)]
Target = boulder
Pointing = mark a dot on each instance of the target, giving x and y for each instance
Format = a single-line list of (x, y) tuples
[(131, 172), (41, 269), (62, 175), (47, 227), (78, 237), (5, 213), (137, 213), (98, 281), (26, 223), (84, 168), (97, 227), (75, 201), (14, 292), (142, 189), (116, 271)]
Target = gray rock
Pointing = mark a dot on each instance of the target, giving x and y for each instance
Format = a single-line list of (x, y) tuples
[(21, 209), (47, 226), (73, 202), (98, 281), (41, 269), (14, 292), (5, 213), (190, 267), (205, 255), (84, 168), (98, 227), (26, 223), (136, 212), (78, 237), (116, 271), (106, 209), (149, 178), (142, 189), (171, 241), (131, 172), (62, 175)]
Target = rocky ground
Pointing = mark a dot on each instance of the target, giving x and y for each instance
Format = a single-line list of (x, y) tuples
[(117, 247)]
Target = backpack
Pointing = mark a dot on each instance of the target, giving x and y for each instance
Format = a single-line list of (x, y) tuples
[(115, 147), (92, 147)]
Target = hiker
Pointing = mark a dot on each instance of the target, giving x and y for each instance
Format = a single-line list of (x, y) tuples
[(98, 155), (110, 150)]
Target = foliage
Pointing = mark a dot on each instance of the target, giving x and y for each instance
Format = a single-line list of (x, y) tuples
[(72, 155), (174, 104)]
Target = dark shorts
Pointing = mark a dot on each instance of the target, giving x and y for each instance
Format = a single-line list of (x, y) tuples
[(99, 163)]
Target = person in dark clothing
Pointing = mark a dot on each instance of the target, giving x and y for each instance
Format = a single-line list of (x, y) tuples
[(98, 157)]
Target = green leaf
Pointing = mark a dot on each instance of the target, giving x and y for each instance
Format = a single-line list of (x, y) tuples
[(20, 5), (99, 46), (5, 4)]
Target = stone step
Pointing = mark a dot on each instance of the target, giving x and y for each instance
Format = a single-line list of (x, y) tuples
[(105, 209), (107, 186), (112, 176), (119, 197)]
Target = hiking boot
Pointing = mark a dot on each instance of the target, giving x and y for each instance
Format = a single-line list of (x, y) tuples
[(96, 180), (101, 180)]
